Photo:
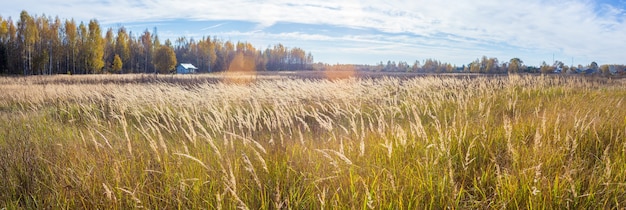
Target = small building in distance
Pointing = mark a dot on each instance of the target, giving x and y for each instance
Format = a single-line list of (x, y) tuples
[(185, 68)]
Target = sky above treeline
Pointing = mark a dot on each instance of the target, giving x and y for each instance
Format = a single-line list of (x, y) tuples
[(370, 31)]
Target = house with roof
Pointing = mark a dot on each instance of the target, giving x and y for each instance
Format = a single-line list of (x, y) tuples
[(186, 68)]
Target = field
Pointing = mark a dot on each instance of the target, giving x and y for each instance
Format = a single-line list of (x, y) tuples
[(280, 141)]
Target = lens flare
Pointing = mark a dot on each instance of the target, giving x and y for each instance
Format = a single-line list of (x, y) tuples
[(242, 69), (340, 71)]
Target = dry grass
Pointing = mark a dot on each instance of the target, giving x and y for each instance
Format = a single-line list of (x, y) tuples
[(429, 142)]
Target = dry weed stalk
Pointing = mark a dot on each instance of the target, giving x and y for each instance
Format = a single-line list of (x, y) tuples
[(449, 125)]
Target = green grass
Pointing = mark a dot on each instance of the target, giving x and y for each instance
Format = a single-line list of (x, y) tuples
[(428, 142)]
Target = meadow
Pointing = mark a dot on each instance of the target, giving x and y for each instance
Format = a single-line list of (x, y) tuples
[(280, 142)]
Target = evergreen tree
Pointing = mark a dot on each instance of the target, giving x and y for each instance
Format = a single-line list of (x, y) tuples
[(4, 57)]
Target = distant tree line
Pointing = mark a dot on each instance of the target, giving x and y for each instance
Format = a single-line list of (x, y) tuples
[(45, 45), (212, 54), (485, 65)]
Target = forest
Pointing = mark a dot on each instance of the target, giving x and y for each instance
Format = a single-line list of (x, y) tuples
[(42, 45)]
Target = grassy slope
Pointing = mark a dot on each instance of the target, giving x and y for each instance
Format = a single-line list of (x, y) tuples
[(425, 142)]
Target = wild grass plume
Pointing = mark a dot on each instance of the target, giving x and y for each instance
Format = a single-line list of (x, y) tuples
[(192, 142)]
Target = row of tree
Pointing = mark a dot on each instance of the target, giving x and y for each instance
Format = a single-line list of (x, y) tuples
[(45, 45), (486, 65), (211, 55), (429, 65)]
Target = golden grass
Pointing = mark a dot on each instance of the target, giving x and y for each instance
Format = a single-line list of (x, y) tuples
[(277, 142)]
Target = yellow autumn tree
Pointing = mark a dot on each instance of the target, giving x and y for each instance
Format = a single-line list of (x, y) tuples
[(164, 59), (94, 48), (117, 64)]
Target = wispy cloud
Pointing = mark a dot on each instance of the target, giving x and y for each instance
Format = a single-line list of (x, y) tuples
[(212, 27)]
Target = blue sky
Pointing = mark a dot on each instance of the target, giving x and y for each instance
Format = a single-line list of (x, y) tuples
[(370, 31)]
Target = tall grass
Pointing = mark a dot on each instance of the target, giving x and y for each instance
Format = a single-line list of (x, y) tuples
[(413, 143)]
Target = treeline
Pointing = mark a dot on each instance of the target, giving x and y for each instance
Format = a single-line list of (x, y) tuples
[(210, 55), (427, 66), (44, 45), (485, 65)]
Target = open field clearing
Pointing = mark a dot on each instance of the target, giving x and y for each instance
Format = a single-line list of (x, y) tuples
[(120, 142)]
